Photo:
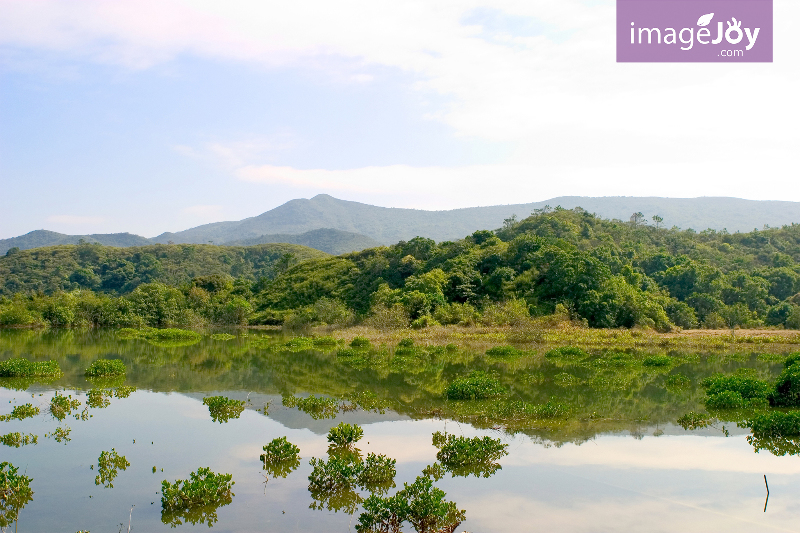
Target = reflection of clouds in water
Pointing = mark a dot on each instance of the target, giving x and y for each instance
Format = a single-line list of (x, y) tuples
[(663, 453), (612, 511)]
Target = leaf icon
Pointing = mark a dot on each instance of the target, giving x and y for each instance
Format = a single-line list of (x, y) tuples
[(705, 19)]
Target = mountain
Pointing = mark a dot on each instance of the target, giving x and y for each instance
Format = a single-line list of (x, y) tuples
[(362, 225), (41, 237), (389, 225), (332, 241)]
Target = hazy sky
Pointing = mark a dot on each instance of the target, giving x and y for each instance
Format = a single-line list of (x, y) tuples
[(158, 115)]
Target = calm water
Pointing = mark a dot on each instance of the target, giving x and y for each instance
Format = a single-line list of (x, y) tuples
[(626, 468)]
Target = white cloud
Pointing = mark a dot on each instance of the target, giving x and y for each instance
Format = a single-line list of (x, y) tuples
[(579, 121)]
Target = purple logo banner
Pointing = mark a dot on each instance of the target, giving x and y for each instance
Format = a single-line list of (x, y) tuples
[(694, 31)]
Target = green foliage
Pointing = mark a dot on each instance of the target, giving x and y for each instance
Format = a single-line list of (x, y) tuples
[(105, 367), (657, 360), (476, 386), (222, 336), (359, 342), (787, 385), (60, 434), (692, 420), (566, 353), (280, 457), (17, 439), (378, 473), (318, 407), (776, 432), (677, 382), (15, 493), (222, 408), (108, 465), (98, 398), (463, 456), (420, 504), (61, 406), (503, 351), (13, 368), (197, 499), (736, 391), (21, 412), (345, 434)]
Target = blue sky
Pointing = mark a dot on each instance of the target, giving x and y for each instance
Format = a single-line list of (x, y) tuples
[(157, 116)]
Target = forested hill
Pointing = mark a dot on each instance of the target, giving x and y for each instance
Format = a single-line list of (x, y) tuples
[(41, 237), (609, 273), (121, 270), (332, 241), (390, 225)]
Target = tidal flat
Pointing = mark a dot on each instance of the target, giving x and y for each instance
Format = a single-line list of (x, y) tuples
[(580, 435)]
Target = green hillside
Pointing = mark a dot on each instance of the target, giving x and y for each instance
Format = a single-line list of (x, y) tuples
[(41, 238), (120, 270), (332, 241), (608, 273)]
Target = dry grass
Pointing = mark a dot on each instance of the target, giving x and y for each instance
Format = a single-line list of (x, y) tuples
[(535, 334)]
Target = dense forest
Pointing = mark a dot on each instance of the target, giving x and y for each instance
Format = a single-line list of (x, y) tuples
[(605, 273)]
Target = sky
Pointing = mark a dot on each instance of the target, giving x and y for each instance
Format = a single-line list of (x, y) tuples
[(160, 115)]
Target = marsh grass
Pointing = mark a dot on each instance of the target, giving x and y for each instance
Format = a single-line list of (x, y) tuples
[(18, 368)]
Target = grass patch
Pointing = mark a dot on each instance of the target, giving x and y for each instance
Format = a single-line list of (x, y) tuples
[(503, 351), (657, 361)]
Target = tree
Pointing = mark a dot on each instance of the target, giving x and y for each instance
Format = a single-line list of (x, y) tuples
[(637, 219), (658, 220)]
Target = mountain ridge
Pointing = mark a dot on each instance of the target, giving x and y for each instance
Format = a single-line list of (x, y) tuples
[(368, 225)]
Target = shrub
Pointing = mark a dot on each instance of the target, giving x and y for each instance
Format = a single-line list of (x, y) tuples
[(279, 450), (385, 318), (195, 500), (18, 439), (420, 504), (15, 493), (223, 409), (105, 367), (21, 412), (503, 351), (787, 386), (360, 342), (726, 400), (748, 388), (692, 420), (476, 386), (508, 313), (15, 368), (776, 424), (406, 343), (461, 452), (318, 408), (423, 322), (325, 341), (108, 465), (345, 434), (456, 313), (61, 406), (378, 472), (657, 360)]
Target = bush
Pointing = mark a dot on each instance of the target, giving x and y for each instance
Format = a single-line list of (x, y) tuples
[(463, 456), (105, 367), (318, 408), (423, 322), (776, 424), (406, 343), (15, 368), (657, 360), (748, 388), (503, 351), (726, 400), (456, 313), (279, 450), (476, 386), (223, 409), (386, 318), (195, 500), (509, 313), (359, 342), (15, 492), (787, 387), (345, 434)]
